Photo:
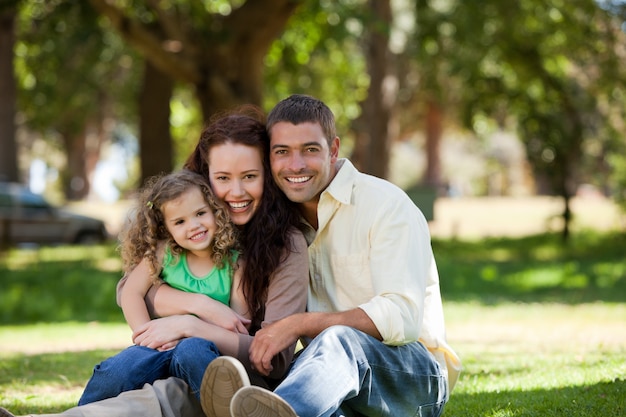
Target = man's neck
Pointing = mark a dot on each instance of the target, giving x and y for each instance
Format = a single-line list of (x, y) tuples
[(309, 212)]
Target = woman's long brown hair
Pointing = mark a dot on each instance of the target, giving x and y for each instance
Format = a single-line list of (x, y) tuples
[(265, 239)]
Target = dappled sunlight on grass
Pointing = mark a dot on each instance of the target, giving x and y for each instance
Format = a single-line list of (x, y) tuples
[(536, 268), (539, 325)]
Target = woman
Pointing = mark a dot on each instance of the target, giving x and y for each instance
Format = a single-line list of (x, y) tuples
[(233, 154)]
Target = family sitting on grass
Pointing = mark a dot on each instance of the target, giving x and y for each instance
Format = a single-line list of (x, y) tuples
[(319, 252)]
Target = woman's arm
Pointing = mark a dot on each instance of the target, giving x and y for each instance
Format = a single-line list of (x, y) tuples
[(287, 295), (163, 301)]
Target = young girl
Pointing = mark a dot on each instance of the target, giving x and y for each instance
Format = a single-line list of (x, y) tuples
[(181, 234)]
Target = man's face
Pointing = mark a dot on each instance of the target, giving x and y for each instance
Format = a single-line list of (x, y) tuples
[(302, 162)]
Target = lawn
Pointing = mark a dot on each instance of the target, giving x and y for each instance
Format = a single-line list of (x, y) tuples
[(540, 326)]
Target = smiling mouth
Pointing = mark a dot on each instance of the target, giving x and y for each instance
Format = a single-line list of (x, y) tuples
[(239, 205), (297, 180), (198, 236)]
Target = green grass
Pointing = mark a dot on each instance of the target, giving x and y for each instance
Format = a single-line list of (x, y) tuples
[(540, 327)]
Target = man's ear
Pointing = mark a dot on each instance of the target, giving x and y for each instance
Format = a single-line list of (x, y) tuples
[(334, 148)]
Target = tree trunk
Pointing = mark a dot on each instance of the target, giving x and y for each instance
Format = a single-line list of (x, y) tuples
[(155, 139), (8, 156), (372, 145), (74, 175), (434, 130)]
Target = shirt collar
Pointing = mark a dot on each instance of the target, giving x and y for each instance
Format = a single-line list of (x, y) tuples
[(340, 188)]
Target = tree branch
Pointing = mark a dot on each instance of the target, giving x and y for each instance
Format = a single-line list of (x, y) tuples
[(149, 44)]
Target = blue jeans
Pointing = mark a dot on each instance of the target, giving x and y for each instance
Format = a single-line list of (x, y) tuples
[(138, 365), (345, 372)]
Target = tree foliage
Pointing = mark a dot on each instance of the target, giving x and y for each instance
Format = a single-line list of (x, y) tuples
[(551, 69), (70, 72)]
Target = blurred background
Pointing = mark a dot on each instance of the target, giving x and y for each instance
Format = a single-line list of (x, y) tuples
[(518, 103), (505, 121)]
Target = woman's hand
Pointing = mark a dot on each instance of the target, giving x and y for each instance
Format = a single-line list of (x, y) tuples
[(163, 333), (166, 332)]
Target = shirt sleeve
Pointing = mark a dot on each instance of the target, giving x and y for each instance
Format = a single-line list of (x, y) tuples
[(400, 263), (287, 295)]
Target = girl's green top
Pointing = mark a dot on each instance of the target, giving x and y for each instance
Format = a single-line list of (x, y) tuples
[(216, 284)]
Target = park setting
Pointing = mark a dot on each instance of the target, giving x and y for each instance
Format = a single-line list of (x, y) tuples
[(505, 123)]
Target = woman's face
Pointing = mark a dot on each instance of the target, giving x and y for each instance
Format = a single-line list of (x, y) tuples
[(236, 177)]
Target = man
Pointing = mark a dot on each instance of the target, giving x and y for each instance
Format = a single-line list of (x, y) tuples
[(374, 326)]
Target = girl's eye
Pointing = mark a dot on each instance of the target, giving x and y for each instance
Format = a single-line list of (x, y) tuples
[(201, 213), (179, 222)]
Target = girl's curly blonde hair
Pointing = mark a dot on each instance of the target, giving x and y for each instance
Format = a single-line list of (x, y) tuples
[(146, 227)]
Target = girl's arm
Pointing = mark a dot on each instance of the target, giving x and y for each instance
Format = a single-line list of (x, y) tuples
[(163, 300), (132, 296)]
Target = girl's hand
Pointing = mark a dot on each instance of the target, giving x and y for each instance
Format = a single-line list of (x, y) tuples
[(163, 333)]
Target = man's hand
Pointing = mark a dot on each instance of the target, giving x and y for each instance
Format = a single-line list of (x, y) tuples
[(269, 341)]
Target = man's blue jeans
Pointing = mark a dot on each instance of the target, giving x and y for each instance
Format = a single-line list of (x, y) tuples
[(345, 372), (137, 365)]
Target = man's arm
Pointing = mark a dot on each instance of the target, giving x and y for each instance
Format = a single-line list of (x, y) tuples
[(277, 336)]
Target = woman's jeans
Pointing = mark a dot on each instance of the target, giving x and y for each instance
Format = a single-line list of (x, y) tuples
[(355, 374), (137, 365)]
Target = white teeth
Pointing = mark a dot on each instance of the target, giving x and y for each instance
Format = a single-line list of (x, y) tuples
[(239, 205), (298, 179), (198, 236)]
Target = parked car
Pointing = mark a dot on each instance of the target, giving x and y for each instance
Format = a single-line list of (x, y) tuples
[(26, 217)]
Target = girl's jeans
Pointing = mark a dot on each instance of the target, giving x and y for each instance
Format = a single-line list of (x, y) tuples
[(137, 365), (345, 372)]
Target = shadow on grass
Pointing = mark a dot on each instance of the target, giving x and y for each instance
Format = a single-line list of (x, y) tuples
[(60, 284), (607, 399), (52, 379), (68, 369), (591, 267)]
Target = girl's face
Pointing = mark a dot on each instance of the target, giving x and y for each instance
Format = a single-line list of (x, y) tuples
[(236, 177), (190, 221)]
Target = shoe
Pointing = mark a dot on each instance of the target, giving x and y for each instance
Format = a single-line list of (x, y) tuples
[(258, 402), (223, 377)]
